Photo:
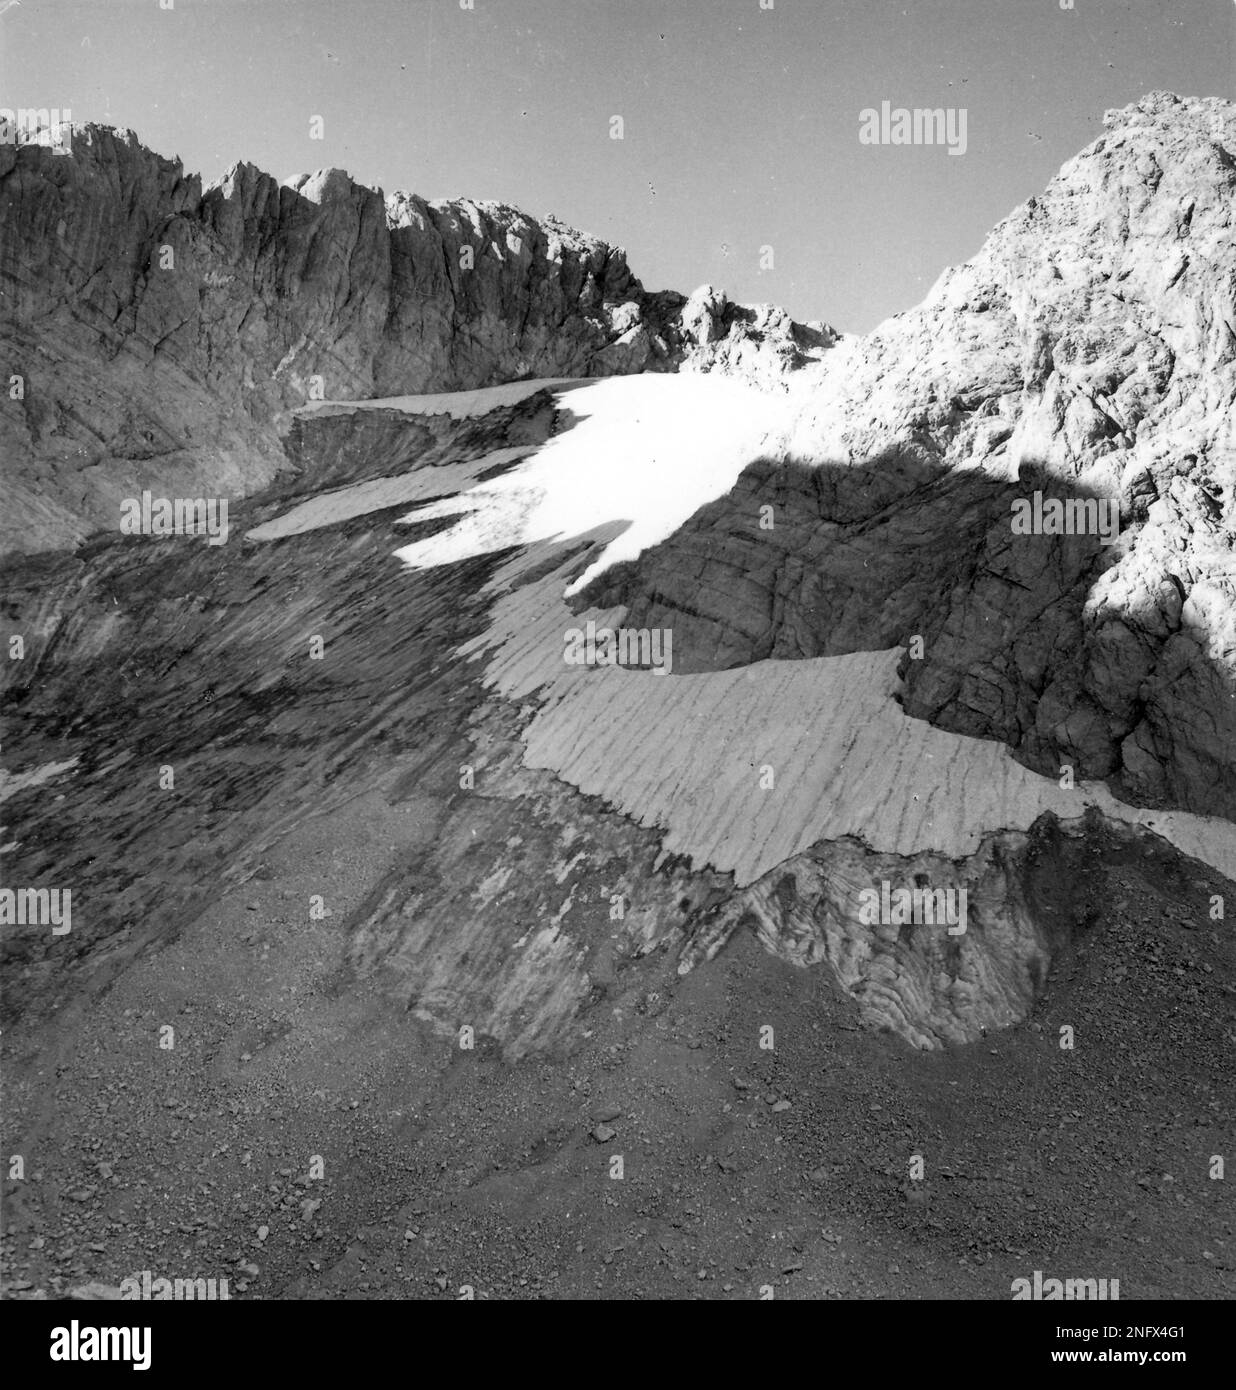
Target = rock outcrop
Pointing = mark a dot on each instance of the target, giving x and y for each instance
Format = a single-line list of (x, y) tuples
[(1087, 354), (981, 965), (162, 332)]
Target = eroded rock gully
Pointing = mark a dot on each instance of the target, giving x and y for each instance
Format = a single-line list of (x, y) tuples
[(491, 905)]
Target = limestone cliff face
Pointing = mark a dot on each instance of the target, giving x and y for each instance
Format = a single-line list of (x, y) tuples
[(1087, 353), (163, 332)]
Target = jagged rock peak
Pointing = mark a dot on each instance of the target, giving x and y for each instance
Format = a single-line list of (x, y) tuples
[(185, 324)]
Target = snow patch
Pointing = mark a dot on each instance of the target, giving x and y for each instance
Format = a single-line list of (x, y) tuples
[(645, 450), (327, 508)]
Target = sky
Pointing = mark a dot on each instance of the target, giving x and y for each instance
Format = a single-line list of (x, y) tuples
[(740, 118)]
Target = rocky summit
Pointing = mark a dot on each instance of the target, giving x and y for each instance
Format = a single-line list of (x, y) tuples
[(556, 789)]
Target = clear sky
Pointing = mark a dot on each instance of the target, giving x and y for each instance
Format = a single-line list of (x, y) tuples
[(740, 122)]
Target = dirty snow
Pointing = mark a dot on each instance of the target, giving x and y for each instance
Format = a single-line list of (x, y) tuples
[(375, 495)]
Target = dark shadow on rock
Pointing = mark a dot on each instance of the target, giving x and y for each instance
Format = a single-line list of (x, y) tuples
[(1004, 636)]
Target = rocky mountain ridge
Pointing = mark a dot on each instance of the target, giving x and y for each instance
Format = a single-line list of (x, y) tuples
[(163, 331)]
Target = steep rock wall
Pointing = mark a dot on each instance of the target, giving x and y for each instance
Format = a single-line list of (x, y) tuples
[(1088, 354), (163, 332)]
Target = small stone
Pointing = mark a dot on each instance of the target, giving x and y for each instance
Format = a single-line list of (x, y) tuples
[(96, 1290), (603, 1134)]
